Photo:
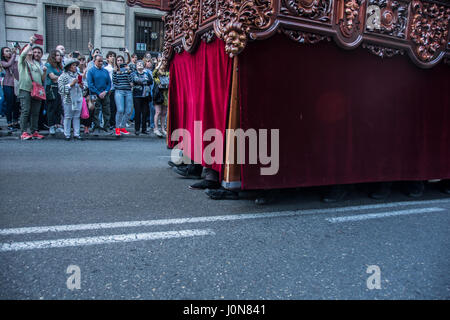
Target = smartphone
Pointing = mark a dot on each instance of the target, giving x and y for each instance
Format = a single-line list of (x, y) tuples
[(75, 55), (39, 39), (121, 49), (16, 45)]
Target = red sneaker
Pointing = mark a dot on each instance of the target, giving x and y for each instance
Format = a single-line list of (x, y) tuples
[(37, 136), (124, 131), (117, 132), (25, 136)]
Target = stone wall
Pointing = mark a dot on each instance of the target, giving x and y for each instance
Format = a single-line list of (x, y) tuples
[(113, 21)]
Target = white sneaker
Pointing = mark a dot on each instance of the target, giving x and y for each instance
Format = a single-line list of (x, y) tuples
[(158, 133), (164, 132), (52, 130), (60, 130)]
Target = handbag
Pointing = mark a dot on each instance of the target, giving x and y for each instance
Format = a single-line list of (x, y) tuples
[(38, 91), (84, 110)]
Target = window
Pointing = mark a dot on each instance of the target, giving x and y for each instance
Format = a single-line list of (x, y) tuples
[(149, 35), (58, 33)]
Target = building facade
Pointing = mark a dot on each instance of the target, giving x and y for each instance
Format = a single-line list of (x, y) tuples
[(107, 24)]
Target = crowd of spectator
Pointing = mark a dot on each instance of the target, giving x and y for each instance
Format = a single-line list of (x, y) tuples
[(80, 95)]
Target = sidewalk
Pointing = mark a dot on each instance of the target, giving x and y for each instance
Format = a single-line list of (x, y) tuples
[(6, 135)]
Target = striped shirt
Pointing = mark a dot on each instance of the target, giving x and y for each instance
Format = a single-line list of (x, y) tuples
[(122, 80)]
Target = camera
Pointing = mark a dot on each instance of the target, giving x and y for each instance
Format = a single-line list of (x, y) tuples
[(75, 55)]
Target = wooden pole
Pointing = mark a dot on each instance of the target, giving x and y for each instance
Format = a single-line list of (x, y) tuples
[(232, 172)]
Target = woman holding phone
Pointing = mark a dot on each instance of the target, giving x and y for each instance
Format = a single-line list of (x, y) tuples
[(54, 103), (70, 86), (122, 78), (9, 64)]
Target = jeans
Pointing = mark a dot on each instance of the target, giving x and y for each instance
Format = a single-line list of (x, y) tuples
[(124, 105), (152, 114), (30, 111), (69, 116), (103, 106), (12, 109)]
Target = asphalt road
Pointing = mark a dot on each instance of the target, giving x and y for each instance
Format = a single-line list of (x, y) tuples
[(295, 248)]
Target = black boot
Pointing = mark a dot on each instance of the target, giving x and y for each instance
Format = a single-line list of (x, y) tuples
[(414, 189), (192, 171), (445, 186), (266, 197), (335, 193), (382, 190), (173, 164), (205, 184), (221, 194)]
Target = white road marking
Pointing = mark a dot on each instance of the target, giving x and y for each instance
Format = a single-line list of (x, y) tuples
[(161, 222), (384, 214), (75, 242)]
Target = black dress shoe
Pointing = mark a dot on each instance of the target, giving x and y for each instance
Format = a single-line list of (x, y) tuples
[(173, 164), (445, 186), (415, 189), (221, 194), (67, 138), (335, 193), (266, 197), (192, 171), (205, 184), (382, 191), (78, 138)]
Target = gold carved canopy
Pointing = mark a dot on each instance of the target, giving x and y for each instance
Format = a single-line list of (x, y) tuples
[(417, 28)]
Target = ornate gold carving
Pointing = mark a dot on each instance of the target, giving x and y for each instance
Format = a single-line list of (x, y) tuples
[(305, 37), (208, 9), (208, 36), (237, 21), (347, 16), (429, 29), (382, 51), (238, 17), (351, 14), (191, 14), (178, 48), (313, 9), (168, 36), (178, 22), (388, 17)]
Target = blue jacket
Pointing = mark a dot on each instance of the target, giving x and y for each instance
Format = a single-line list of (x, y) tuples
[(98, 80)]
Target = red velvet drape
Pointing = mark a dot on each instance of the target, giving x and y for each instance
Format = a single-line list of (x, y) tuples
[(344, 116), (199, 91)]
